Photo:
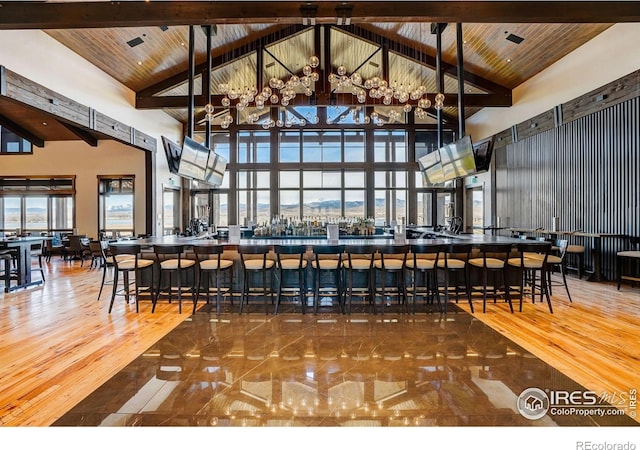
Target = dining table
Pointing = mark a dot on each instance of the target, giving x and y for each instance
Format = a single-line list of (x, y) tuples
[(22, 247)]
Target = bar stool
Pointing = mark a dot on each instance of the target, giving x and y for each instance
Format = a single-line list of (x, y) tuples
[(556, 262), (359, 260), (532, 262), (172, 262), (290, 259), (208, 268), (575, 258), (126, 260), (37, 252), (453, 262), (6, 257), (422, 264), (494, 260), (624, 258), (327, 261), (254, 260), (390, 261), (107, 263)]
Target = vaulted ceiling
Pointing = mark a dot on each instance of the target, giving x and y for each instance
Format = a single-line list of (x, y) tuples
[(145, 45)]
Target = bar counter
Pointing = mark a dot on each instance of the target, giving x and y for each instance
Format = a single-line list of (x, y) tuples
[(188, 241)]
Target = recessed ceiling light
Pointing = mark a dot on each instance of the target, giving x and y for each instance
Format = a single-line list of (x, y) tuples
[(508, 60), (44, 123), (139, 63)]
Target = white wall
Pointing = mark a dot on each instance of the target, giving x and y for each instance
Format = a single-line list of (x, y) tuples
[(40, 58), (609, 56), (75, 158)]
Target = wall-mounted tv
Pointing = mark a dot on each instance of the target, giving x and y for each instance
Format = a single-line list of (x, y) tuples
[(193, 161), (172, 152), (482, 152), (216, 166), (431, 168), (457, 159)]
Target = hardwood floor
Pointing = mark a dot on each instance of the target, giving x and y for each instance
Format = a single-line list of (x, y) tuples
[(58, 344)]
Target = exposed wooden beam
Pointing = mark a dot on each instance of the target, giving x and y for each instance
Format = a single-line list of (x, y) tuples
[(57, 15), (82, 134), (180, 101), (20, 131)]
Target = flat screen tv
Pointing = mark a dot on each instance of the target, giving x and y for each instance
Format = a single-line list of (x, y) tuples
[(193, 161), (457, 159), (216, 165), (482, 153), (172, 152), (431, 168)]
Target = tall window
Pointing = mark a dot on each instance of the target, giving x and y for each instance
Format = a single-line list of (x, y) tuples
[(390, 146), (116, 205), (330, 182), (298, 172), (37, 204)]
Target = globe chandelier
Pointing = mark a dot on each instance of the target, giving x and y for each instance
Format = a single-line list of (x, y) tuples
[(390, 94), (278, 91)]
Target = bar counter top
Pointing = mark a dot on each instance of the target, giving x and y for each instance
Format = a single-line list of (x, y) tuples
[(476, 239)]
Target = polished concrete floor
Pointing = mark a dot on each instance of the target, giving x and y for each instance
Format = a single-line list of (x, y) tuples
[(330, 370)]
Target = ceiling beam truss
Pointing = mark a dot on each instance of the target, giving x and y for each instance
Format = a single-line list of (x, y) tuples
[(67, 15)]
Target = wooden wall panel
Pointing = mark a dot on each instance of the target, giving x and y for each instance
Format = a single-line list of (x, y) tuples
[(536, 125), (586, 172), (623, 89)]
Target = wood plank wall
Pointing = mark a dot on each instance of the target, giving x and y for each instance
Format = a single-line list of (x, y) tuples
[(585, 171)]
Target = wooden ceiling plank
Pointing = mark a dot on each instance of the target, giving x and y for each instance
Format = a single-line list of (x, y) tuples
[(20, 131), (57, 15), (236, 53), (424, 59), (82, 134), (146, 99)]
